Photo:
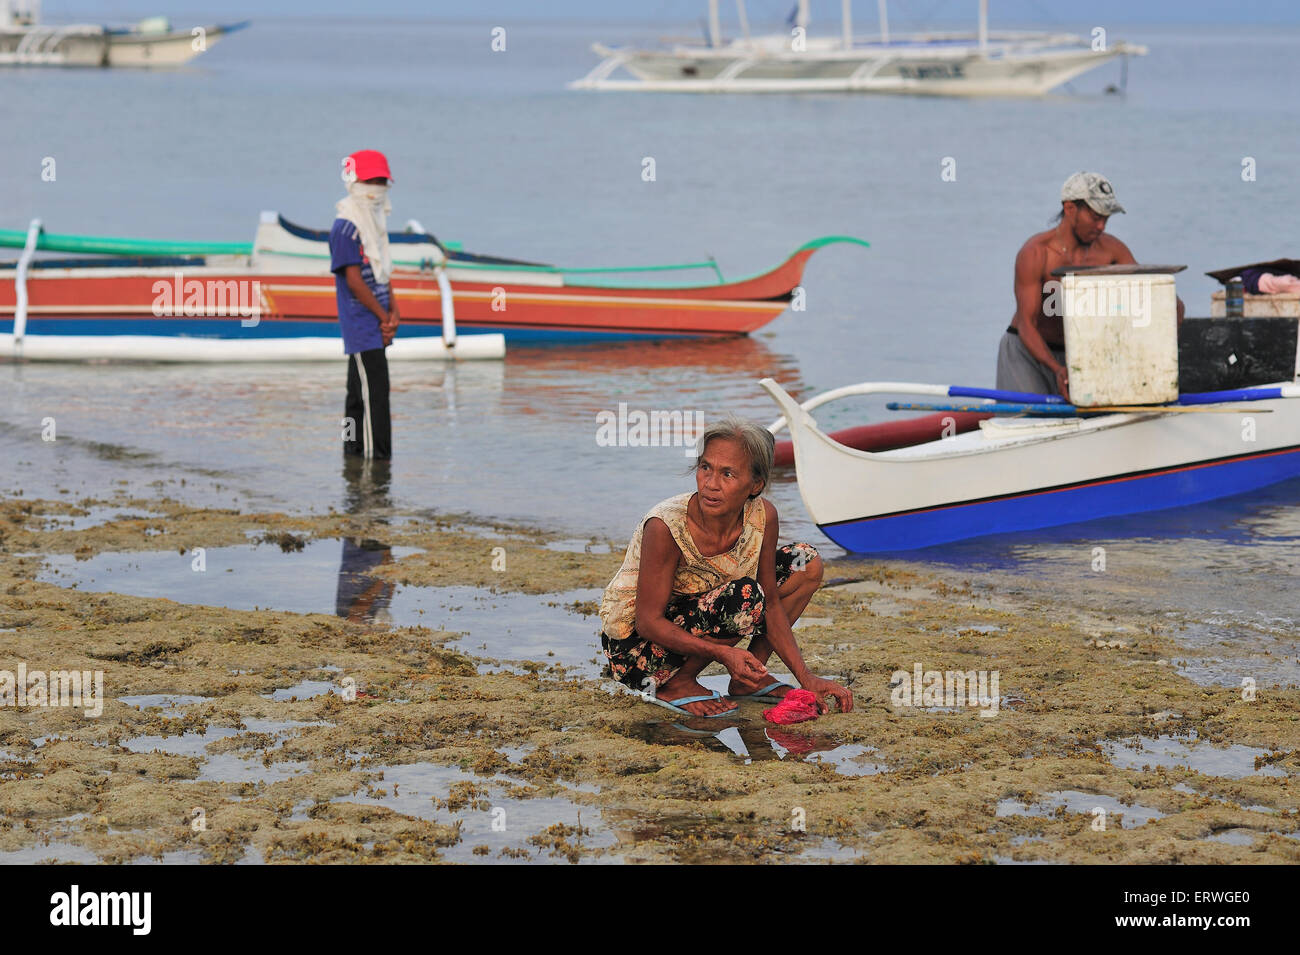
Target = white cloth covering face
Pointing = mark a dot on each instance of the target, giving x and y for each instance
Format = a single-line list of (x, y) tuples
[(366, 206)]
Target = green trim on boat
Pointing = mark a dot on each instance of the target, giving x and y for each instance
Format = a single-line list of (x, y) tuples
[(811, 246), (413, 263), (110, 245), (510, 267), (826, 240), (709, 264)]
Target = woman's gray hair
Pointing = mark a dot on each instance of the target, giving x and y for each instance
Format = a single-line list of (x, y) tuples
[(758, 443)]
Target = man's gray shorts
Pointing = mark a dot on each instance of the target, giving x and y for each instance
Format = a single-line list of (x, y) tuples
[(1020, 371)]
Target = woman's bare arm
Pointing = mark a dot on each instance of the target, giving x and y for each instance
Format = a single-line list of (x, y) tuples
[(779, 633)]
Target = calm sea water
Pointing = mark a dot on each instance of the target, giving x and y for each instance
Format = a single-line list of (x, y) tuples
[(489, 148)]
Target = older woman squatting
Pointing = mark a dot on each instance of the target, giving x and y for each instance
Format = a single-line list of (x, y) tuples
[(697, 580)]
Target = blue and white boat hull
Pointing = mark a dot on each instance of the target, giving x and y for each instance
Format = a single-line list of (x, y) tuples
[(1019, 474)]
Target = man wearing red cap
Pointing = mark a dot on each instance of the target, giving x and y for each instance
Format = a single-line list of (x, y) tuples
[(368, 317)]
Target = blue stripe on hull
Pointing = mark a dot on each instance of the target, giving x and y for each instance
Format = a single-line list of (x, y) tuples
[(1156, 491), (226, 328), (230, 328)]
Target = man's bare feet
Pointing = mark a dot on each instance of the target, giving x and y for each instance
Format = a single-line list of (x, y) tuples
[(678, 687)]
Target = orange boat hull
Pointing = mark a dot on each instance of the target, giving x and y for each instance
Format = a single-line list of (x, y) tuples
[(152, 299)]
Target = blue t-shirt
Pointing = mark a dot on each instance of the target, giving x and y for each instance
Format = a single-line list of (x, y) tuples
[(359, 325)]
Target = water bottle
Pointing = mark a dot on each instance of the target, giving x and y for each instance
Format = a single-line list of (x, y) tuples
[(1234, 298)]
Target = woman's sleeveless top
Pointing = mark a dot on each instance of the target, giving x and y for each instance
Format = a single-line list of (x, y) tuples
[(696, 574)]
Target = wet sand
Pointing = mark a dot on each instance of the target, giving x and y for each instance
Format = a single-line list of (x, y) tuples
[(244, 715)]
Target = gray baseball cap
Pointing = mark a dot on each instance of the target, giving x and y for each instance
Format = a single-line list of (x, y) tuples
[(1094, 189)]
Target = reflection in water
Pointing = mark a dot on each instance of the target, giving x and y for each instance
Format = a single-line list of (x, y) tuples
[(516, 440), (570, 386), (756, 742), (711, 356), (1219, 576), (498, 439), (1231, 528), (1232, 761), (362, 597), (366, 486)]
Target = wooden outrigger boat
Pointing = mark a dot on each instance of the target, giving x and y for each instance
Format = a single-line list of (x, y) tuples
[(25, 41), (983, 63), (1024, 473), (139, 289)]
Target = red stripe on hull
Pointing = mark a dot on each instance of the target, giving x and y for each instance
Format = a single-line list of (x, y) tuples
[(710, 310), (888, 435)]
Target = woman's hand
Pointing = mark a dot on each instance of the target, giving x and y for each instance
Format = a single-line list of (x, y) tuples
[(816, 684), (742, 665)]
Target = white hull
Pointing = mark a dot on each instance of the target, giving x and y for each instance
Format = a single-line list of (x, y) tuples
[(1014, 67), (86, 45), (157, 348), (173, 49), (1010, 460)]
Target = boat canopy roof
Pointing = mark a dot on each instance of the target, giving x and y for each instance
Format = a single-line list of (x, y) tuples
[(1282, 265)]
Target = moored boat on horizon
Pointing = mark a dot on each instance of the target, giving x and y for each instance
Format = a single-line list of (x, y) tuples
[(25, 41), (947, 64)]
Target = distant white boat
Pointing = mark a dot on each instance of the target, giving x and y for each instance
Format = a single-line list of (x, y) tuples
[(948, 64), (24, 41)]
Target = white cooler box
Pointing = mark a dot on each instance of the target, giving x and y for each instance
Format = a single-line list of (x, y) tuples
[(1121, 334)]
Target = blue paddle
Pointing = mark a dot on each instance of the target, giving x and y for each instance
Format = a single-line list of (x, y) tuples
[(1011, 402)]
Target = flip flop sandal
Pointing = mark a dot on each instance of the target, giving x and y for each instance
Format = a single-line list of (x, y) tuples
[(763, 695), (677, 704)]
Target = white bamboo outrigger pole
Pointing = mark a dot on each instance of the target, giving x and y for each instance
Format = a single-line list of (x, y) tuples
[(444, 293), (883, 7), (715, 25), (866, 388), (20, 284), (846, 15), (984, 26), (744, 20), (448, 308), (161, 348)]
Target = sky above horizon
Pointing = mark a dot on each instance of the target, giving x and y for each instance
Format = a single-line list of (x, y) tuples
[(904, 13)]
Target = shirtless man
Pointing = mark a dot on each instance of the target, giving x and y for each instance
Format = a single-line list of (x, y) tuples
[(1031, 355)]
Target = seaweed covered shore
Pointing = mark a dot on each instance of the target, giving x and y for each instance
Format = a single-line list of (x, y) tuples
[(265, 735)]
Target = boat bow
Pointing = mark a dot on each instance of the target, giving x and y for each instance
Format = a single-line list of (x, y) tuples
[(781, 281)]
